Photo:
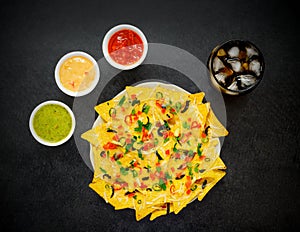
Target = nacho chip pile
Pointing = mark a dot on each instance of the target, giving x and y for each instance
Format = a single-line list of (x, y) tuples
[(155, 151)]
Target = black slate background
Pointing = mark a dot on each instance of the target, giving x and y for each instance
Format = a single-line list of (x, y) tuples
[(46, 188)]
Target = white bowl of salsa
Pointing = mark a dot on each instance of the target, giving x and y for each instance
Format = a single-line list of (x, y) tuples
[(125, 47), (52, 123), (77, 73)]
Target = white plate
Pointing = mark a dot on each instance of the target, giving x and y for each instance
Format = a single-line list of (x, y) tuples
[(151, 84)]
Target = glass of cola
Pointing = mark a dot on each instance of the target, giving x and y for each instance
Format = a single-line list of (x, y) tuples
[(236, 67)]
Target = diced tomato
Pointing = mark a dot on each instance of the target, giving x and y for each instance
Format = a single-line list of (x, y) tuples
[(110, 146), (195, 124), (172, 169), (116, 138), (143, 186), (189, 119), (152, 176), (131, 195), (133, 96), (167, 152), (120, 127), (188, 192), (163, 110), (188, 182), (117, 186)]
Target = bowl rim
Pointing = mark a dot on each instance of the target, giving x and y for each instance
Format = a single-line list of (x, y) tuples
[(39, 139), (82, 92), (107, 37), (210, 66)]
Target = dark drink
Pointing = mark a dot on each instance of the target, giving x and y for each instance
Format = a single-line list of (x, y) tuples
[(236, 67)]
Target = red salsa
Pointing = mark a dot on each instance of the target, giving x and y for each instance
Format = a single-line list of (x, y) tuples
[(125, 47)]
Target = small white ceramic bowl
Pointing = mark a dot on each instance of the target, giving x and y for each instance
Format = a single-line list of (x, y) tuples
[(107, 38), (42, 141), (92, 85)]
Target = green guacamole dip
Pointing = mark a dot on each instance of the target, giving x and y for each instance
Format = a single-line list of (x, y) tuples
[(52, 123)]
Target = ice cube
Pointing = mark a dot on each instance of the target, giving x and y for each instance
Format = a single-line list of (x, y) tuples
[(217, 64), (235, 64), (246, 80), (233, 86), (234, 52), (255, 67), (221, 77), (251, 51)]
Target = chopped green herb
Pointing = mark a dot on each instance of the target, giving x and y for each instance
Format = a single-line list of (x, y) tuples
[(119, 162), (140, 155), (133, 112), (162, 184), (166, 140), (121, 102), (140, 126), (123, 171), (148, 126), (103, 170), (168, 176), (185, 125), (134, 173), (146, 108), (177, 106), (199, 152)]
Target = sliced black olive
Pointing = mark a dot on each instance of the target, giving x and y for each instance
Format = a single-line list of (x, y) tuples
[(106, 175), (204, 184), (128, 192), (160, 129), (206, 130), (102, 153), (112, 189), (180, 177), (148, 189), (148, 120), (181, 167), (158, 156), (187, 104), (111, 130), (202, 170), (168, 208), (135, 101), (145, 178), (148, 169)]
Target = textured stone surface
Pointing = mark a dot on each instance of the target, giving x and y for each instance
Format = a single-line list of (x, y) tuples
[(46, 189)]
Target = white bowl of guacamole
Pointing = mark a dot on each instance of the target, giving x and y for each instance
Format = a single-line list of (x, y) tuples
[(52, 123)]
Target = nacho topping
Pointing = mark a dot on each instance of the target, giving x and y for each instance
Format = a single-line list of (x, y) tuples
[(156, 150)]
